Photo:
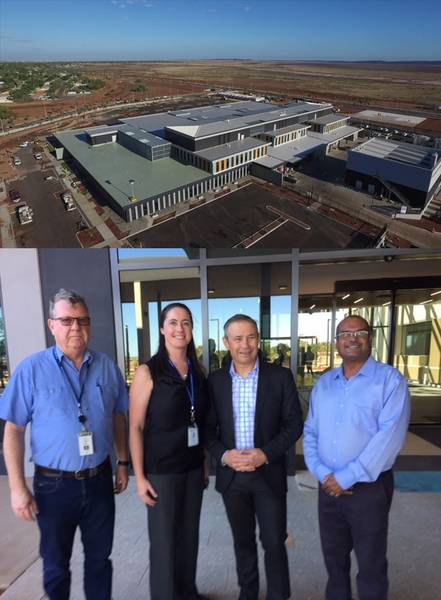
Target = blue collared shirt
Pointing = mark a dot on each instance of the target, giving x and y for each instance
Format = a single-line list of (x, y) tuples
[(39, 393), (356, 427), (244, 406)]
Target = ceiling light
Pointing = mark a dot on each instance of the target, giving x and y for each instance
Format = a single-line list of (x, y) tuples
[(312, 306), (347, 296), (282, 287), (435, 293), (359, 300), (426, 301), (211, 291), (386, 303)]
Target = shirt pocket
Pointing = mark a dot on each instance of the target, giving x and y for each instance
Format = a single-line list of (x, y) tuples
[(53, 402), (364, 416), (107, 395)]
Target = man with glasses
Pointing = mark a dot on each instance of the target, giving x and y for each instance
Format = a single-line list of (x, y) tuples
[(76, 401), (357, 423)]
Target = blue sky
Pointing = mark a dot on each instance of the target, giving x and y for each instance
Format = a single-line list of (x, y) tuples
[(211, 29)]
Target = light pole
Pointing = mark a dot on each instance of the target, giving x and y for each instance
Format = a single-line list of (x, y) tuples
[(132, 184)]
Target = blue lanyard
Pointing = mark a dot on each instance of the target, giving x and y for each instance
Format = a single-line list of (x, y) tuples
[(190, 391), (81, 416)]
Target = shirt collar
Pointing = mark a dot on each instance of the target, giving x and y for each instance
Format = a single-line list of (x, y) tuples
[(367, 369), (252, 373), (59, 354)]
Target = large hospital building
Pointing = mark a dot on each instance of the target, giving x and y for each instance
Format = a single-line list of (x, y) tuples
[(148, 164)]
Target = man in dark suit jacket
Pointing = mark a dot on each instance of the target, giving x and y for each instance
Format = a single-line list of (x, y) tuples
[(254, 419)]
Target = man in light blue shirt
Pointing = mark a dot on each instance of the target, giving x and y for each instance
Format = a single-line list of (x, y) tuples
[(76, 401), (357, 423)]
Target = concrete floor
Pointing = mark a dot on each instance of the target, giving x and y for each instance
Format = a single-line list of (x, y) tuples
[(414, 549)]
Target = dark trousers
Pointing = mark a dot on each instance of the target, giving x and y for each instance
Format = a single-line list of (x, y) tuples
[(64, 505), (173, 525), (249, 496), (358, 522)]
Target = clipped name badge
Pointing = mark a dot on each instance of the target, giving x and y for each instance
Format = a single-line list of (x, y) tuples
[(192, 436), (85, 441)]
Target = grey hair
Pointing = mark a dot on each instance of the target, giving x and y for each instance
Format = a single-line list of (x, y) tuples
[(235, 319), (67, 295)]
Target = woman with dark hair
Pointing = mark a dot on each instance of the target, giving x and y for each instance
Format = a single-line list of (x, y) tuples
[(167, 412)]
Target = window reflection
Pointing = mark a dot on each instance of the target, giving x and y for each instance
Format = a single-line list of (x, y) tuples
[(144, 293), (417, 350), (261, 291)]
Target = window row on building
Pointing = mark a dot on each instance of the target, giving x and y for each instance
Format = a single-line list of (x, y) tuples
[(166, 201), (239, 159)]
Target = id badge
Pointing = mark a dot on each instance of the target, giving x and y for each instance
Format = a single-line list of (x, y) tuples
[(192, 436), (85, 442)]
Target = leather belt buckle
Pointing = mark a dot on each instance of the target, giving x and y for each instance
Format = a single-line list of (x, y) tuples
[(79, 475)]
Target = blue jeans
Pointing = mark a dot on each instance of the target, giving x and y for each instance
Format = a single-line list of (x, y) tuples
[(63, 505)]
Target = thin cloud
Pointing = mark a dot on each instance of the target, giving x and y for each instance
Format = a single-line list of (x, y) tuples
[(129, 3), (15, 40)]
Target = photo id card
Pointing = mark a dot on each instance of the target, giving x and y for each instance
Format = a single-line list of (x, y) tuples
[(85, 441), (192, 436)]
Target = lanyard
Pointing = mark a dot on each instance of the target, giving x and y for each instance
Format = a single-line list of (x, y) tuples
[(78, 397), (190, 390)]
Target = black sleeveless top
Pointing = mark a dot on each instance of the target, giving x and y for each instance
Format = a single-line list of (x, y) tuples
[(168, 418)]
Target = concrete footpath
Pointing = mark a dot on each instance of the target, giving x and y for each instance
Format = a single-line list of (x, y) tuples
[(414, 549)]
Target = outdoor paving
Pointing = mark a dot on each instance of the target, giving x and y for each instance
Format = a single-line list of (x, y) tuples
[(414, 550), (231, 218)]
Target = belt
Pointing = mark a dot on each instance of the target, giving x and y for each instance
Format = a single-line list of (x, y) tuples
[(84, 474)]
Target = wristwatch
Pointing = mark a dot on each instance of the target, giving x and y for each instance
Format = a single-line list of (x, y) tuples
[(123, 463)]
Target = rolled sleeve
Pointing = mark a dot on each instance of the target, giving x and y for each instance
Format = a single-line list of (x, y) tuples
[(16, 401)]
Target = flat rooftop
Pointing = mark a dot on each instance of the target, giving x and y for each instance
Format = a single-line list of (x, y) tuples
[(411, 154), (103, 129), (142, 135), (199, 126), (334, 135), (112, 165), (231, 148), (388, 117), (270, 162), (209, 120), (288, 129), (327, 119)]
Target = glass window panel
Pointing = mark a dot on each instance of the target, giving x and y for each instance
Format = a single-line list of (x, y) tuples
[(144, 293), (375, 307), (315, 337), (417, 352), (127, 255), (261, 291)]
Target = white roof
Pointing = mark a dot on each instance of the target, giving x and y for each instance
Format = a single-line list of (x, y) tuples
[(412, 154)]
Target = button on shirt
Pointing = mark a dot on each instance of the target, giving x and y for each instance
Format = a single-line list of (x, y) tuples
[(356, 427), (39, 393), (244, 406)]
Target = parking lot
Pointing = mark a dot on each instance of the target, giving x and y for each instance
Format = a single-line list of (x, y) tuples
[(52, 224), (231, 219)]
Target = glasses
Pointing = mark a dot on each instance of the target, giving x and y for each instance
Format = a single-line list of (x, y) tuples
[(69, 321), (345, 335)]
